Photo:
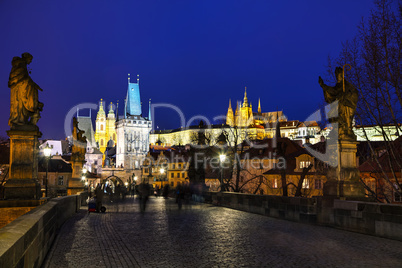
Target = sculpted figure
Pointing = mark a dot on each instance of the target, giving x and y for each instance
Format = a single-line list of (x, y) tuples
[(78, 133), (25, 106), (342, 111)]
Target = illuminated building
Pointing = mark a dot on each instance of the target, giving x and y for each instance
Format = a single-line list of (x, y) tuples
[(105, 127), (132, 131)]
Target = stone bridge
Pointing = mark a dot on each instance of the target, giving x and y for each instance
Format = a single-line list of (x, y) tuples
[(200, 235)]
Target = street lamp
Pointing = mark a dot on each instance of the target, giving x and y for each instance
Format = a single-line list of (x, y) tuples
[(222, 158), (161, 171), (47, 151)]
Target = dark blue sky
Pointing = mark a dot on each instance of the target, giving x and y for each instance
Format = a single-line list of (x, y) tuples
[(192, 54)]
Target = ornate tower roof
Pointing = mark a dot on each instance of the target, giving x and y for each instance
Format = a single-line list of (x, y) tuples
[(111, 115), (133, 100), (101, 112), (259, 106)]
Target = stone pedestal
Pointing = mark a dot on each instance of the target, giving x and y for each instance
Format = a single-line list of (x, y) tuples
[(344, 179), (23, 175), (75, 184)]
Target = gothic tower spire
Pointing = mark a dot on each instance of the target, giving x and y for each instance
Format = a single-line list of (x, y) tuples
[(259, 106), (245, 101), (229, 115)]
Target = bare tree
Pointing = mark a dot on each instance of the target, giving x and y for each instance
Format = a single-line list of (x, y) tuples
[(375, 55)]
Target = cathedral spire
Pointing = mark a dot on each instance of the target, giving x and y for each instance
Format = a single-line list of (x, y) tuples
[(129, 78), (229, 115), (245, 101), (259, 106)]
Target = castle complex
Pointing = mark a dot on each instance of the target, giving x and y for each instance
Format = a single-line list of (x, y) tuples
[(244, 123)]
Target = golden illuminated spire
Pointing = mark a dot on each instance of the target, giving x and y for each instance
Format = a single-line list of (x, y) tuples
[(259, 106), (229, 115), (245, 101)]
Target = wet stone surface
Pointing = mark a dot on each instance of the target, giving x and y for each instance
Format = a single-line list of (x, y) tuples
[(202, 235)]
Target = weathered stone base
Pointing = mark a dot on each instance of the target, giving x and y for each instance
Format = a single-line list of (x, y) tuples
[(344, 189), (352, 190), (22, 189)]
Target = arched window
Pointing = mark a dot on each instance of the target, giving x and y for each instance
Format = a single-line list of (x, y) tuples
[(101, 127), (114, 136), (101, 142)]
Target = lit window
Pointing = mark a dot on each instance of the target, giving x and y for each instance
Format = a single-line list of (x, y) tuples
[(275, 183), (101, 127), (306, 184)]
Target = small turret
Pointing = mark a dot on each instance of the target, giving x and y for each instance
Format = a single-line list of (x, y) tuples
[(149, 111)]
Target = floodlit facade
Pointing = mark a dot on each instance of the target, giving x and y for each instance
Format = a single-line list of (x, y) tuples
[(132, 131)]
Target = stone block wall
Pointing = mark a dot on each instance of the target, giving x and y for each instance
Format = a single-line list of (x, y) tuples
[(383, 220), (289, 208), (26, 241)]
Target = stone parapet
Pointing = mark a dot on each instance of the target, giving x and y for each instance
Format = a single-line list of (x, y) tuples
[(26, 241), (383, 220)]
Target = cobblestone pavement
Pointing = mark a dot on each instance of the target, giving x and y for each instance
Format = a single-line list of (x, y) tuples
[(202, 235)]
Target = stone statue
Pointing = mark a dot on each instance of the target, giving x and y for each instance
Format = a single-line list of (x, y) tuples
[(25, 107), (344, 109), (78, 133), (79, 143)]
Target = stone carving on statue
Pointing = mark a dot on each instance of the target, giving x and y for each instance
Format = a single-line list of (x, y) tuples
[(25, 108), (79, 142), (343, 98), (78, 133)]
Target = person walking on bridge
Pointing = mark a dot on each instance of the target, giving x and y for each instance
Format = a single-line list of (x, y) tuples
[(143, 192)]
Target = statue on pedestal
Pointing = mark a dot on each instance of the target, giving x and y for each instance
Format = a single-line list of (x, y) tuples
[(24, 133), (343, 177), (25, 107), (343, 111)]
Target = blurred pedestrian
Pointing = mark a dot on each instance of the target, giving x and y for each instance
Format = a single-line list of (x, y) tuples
[(179, 194), (143, 192), (99, 196)]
